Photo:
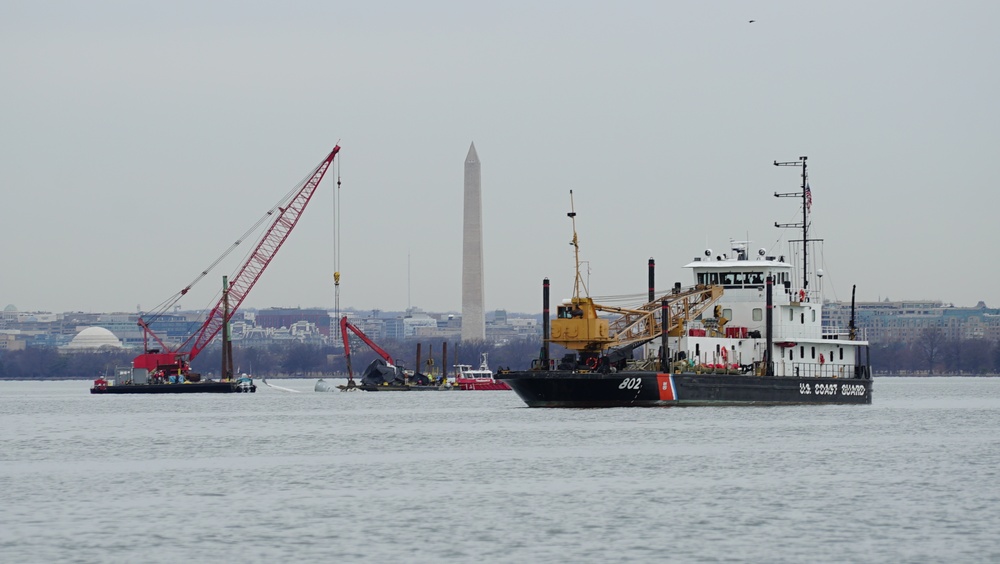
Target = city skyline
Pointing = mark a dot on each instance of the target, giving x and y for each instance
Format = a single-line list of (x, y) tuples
[(139, 142)]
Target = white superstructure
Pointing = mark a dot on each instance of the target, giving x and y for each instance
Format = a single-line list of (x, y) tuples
[(733, 334)]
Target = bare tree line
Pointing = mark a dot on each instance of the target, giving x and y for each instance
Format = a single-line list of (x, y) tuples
[(931, 353), (270, 361)]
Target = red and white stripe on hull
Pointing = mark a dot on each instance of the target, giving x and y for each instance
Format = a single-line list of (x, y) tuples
[(665, 384)]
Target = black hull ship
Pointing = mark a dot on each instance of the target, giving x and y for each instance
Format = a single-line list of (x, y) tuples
[(650, 389), (750, 331)]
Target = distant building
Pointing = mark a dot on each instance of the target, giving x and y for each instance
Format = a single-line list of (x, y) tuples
[(905, 321), (413, 323), (393, 328), (276, 318), (9, 341), (92, 339)]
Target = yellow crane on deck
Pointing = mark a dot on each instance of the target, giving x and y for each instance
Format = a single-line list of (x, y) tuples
[(578, 325)]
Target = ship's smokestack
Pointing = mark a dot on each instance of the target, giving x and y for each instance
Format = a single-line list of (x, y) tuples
[(769, 326), (652, 280), (545, 325), (664, 331)]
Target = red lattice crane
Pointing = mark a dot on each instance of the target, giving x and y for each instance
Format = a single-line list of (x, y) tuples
[(178, 360)]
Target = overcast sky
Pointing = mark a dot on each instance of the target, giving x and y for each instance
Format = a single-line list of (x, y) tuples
[(139, 139)]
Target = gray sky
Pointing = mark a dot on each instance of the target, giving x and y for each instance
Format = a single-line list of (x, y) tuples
[(139, 139)]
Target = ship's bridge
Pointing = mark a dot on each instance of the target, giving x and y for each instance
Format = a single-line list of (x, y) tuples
[(737, 270)]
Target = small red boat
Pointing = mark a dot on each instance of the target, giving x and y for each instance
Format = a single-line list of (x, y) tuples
[(468, 378)]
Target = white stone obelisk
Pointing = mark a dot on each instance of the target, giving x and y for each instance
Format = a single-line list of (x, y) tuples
[(473, 301)]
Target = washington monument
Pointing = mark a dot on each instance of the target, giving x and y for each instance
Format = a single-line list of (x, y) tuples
[(473, 307)]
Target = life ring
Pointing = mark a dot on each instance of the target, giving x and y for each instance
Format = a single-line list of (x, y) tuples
[(802, 295), (725, 354), (592, 363), (822, 359)]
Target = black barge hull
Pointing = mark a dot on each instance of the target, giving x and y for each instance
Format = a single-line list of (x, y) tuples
[(193, 388), (649, 389)]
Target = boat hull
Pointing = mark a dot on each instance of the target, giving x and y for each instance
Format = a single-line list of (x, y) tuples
[(480, 385), (639, 389), (193, 388)]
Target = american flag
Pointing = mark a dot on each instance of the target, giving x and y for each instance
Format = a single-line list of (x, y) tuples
[(809, 198)]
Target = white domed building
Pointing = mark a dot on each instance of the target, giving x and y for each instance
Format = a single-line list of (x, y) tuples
[(92, 339)]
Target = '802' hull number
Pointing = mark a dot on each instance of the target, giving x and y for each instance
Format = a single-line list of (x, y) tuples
[(630, 384)]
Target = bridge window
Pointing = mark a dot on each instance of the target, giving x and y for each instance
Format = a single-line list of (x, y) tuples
[(841, 353), (802, 352), (813, 351)]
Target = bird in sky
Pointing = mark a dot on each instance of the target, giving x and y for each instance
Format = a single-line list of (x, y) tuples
[(751, 21)]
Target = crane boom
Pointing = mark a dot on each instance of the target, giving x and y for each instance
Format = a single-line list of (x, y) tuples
[(179, 358), (254, 266), (578, 326), (346, 325)]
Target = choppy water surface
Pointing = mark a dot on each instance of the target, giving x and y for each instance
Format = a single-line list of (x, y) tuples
[(465, 476)]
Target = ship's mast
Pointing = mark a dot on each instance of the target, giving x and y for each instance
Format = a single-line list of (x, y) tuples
[(806, 196), (578, 282)]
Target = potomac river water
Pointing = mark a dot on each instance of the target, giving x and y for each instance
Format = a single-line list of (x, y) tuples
[(476, 476)]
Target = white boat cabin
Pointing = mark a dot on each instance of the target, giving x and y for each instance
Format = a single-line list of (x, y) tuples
[(732, 334), (481, 374)]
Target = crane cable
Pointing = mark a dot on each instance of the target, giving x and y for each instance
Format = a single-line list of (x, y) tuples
[(163, 306), (336, 245)]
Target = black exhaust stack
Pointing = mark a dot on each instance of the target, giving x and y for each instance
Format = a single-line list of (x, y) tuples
[(545, 325), (769, 327), (652, 279), (664, 332)]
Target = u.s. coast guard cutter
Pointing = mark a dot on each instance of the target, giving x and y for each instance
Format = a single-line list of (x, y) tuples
[(749, 331)]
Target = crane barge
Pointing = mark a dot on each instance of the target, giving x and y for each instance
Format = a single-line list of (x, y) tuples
[(162, 368)]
